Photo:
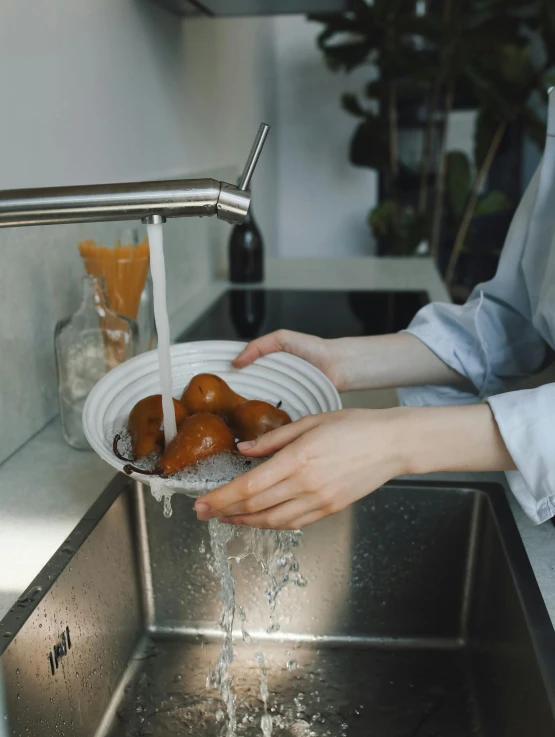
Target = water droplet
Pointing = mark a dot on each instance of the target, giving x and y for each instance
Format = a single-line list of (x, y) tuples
[(168, 511)]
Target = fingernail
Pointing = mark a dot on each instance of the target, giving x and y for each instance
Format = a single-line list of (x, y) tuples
[(225, 520), (247, 445), (201, 507)]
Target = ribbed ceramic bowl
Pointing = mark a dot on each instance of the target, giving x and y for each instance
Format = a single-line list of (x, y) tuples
[(302, 389)]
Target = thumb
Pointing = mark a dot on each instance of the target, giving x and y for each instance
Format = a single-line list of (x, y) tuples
[(271, 343)]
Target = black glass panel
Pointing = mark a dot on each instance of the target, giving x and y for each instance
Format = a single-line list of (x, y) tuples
[(245, 314)]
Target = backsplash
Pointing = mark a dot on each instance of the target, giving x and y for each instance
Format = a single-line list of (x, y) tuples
[(40, 283)]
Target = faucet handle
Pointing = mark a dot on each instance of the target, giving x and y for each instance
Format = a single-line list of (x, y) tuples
[(254, 155)]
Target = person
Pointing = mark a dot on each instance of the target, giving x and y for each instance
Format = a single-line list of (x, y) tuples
[(455, 365)]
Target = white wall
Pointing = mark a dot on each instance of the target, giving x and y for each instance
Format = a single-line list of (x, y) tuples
[(120, 90), (113, 90), (322, 199)]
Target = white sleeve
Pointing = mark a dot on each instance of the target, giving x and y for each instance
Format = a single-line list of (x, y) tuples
[(491, 339), (526, 420), (484, 340)]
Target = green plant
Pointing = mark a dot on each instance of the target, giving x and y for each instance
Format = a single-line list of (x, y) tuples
[(400, 229), (464, 198), (499, 54)]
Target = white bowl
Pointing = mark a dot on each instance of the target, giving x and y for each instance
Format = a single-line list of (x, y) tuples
[(301, 387)]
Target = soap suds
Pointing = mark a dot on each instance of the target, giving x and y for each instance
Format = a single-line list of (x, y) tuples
[(204, 476)]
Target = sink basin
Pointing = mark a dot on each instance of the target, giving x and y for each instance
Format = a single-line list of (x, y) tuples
[(421, 618)]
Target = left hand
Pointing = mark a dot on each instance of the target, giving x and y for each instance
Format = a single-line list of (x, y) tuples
[(323, 463)]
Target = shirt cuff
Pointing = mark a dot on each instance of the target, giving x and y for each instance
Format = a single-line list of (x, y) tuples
[(526, 423)]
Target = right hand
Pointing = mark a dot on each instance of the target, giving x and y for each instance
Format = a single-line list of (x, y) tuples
[(317, 351)]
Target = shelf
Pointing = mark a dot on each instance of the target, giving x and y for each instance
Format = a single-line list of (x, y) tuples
[(251, 7)]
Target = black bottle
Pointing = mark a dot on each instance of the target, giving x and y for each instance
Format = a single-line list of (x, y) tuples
[(246, 252)]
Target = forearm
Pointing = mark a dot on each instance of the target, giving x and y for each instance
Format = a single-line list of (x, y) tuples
[(463, 438), (385, 361)]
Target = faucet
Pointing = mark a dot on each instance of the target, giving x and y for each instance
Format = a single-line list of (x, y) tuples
[(151, 202)]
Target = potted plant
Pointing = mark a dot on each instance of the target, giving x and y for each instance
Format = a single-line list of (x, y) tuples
[(425, 59)]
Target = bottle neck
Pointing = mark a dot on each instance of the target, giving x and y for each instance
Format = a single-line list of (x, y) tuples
[(94, 293)]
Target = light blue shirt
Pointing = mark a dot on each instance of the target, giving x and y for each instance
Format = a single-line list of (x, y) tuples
[(505, 332)]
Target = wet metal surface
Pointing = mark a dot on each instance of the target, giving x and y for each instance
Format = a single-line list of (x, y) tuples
[(421, 618), (314, 690)]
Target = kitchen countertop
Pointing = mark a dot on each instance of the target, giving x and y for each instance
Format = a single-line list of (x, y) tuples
[(46, 487)]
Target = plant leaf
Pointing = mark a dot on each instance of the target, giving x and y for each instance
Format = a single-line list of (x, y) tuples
[(376, 89), (492, 202), (401, 228), (370, 144), (382, 219), (458, 181), (351, 105), (515, 66), (487, 93), (347, 55)]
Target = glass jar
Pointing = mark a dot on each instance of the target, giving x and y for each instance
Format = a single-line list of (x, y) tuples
[(128, 284), (88, 344)]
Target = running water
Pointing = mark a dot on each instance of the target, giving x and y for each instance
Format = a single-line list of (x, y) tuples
[(158, 270), (220, 678), (274, 551)]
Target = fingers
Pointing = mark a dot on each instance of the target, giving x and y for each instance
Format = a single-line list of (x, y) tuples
[(276, 439), (271, 343), (278, 494), (263, 477), (306, 520), (281, 517), (247, 485)]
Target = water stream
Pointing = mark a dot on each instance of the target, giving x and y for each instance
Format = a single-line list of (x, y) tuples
[(158, 271), (273, 551)]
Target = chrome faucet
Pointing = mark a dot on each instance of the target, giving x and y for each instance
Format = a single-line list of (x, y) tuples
[(151, 202)]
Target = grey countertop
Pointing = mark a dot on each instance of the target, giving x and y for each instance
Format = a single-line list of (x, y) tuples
[(46, 487)]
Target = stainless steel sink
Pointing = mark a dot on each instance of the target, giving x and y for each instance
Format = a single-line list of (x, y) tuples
[(421, 618)]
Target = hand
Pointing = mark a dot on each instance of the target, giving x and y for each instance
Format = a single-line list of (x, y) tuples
[(323, 463), (376, 362), (317, 351)]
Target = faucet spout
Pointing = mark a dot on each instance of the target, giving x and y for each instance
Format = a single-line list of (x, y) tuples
[(151, 202), (141, 201)]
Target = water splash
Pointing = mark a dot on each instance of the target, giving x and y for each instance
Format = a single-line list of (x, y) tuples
[(160, 492), (274, 553), (266, 720), (168, 511)]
